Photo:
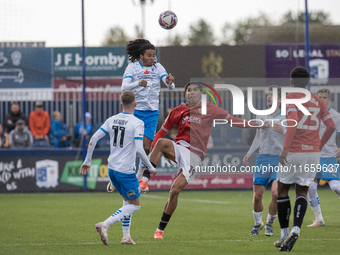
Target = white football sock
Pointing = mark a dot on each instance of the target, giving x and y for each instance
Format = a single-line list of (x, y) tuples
[(335, 186), (313, 195), (271, 219), (284, 232), (296, 229), (126, 222), (317, 213), (120, 214), (314, 201), (257, 217)]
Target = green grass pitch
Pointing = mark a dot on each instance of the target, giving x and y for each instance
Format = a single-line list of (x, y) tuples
[(205, 222)]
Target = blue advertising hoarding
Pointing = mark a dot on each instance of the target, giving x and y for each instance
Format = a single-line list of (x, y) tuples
[(25, 68)]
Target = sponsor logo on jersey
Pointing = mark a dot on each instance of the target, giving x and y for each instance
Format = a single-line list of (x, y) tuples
[(307, 147), (192, 119)]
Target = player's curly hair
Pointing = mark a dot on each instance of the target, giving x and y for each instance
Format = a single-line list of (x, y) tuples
[(138, 47), (299, 77)]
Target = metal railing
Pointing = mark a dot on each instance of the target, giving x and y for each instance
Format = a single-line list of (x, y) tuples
[(104, 102)]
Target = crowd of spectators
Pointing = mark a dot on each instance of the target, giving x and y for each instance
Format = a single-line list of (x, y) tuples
[(39, 130)]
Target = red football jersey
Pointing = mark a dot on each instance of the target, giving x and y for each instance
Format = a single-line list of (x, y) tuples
[(193, 127), (306, 138)]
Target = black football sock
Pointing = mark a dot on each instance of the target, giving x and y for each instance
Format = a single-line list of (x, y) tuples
[(164, 221), (146, 173), (300, 210), (283, 211)]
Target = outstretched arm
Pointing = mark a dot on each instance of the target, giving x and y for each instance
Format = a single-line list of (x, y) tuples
[(92, 144)]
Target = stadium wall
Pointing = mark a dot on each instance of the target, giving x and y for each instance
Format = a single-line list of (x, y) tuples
[(58, 170), (214, 62)]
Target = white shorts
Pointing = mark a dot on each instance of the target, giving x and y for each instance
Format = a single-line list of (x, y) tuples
[(301, 168), (186, 160)]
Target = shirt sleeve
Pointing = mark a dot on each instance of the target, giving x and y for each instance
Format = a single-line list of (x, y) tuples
[(170, 121), (139, 131), (127, 83), (337, 122), (163, 74), (218, 112), (92, 144), (105, 127), (324, 112), (255, 144)]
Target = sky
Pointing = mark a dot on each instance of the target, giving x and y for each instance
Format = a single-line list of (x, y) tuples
[(59, 23)]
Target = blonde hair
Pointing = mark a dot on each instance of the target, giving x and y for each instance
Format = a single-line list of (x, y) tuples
[(270, 88), (324, 90)]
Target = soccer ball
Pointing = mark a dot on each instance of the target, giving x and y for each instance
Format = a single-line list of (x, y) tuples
[(167, 20)]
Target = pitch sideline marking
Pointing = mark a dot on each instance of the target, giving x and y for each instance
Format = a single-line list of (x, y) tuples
[(189, 199)]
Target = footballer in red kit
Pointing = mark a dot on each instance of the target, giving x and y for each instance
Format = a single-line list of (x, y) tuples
[(193, 127), (300, 155), (190, 146)]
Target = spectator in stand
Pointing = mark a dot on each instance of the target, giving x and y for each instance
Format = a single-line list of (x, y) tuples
[(59, 135), (4, 138), (20, 137), (39, 122), (79, 130), (14, 116)]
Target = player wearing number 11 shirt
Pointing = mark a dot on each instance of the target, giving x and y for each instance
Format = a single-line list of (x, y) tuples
[(300, 154), (126, 139)]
